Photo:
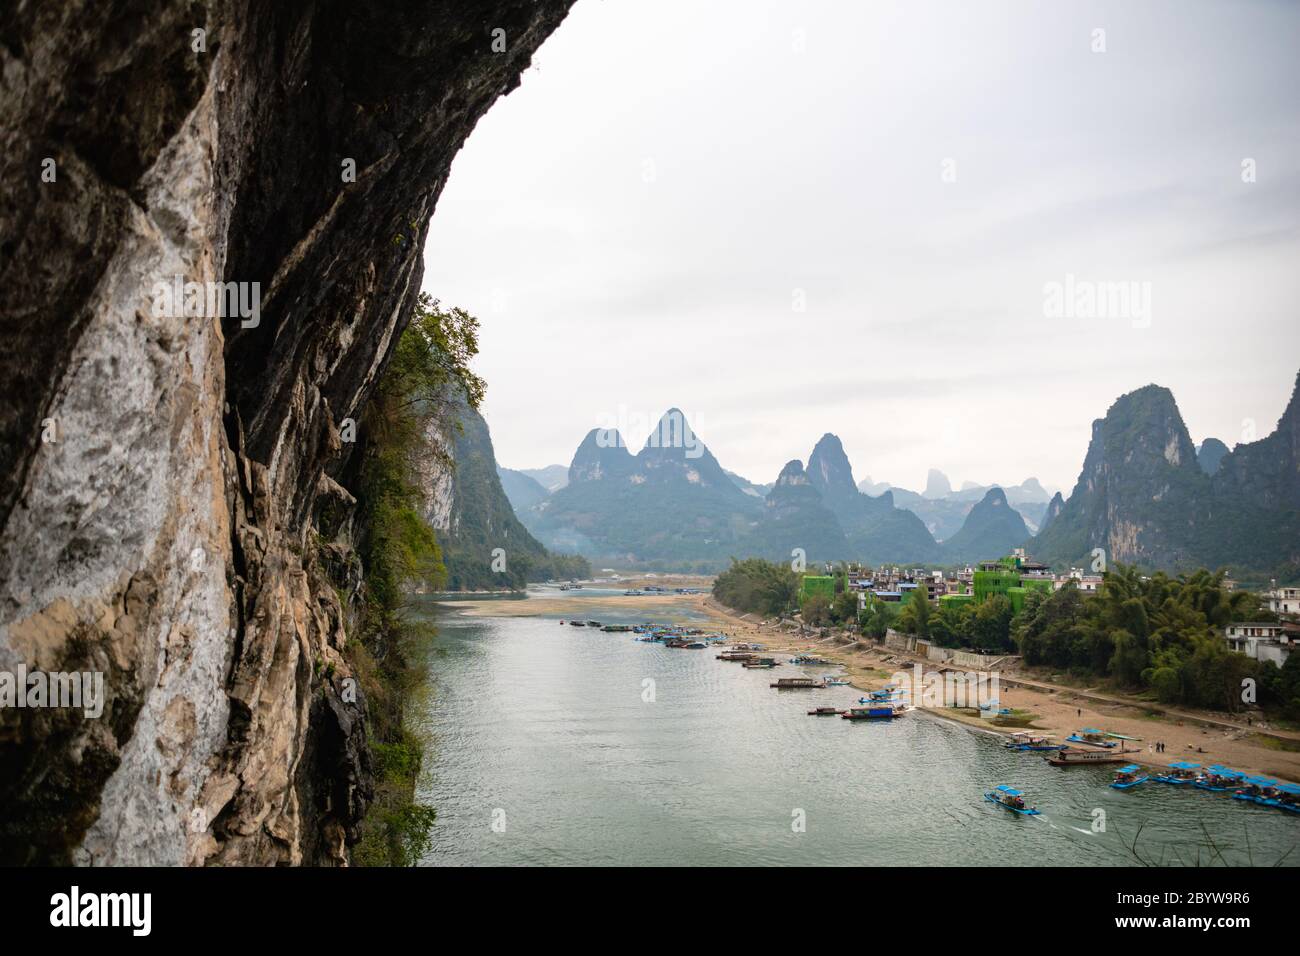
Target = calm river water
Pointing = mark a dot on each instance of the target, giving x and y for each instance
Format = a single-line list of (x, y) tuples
[(542, 750)]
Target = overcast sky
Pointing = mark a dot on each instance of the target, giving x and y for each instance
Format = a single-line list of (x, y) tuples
[(639, 223)]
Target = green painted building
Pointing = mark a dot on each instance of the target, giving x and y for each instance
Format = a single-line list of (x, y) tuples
[(823, 584), (989, 583)]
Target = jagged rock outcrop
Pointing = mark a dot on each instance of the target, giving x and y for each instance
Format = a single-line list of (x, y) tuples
[(161, 463), (484, 544), (1144, 498), (1053, 511)]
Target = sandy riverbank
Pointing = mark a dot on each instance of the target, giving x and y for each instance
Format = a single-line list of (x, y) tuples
[(1057, 711)]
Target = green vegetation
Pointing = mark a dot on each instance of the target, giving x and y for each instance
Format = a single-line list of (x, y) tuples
[(487, 547), (915, 617), (758, 587), (1160, 635), (398, 552)]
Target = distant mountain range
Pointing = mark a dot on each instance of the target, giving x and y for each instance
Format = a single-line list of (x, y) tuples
[(672, 504), (944, 510), (1145, 495)]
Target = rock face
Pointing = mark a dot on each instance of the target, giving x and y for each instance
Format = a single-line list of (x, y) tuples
[(484, 545), (163, 470), (1144, 498)]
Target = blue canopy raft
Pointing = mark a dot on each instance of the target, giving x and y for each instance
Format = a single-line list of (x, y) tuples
[(1180, 772), (1010, 798), (1129, 776), (1219, 779)]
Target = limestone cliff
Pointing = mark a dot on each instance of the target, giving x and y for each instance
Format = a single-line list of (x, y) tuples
[(163, 470)]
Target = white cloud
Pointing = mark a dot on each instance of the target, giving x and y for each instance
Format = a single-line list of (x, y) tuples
[(924, 341)]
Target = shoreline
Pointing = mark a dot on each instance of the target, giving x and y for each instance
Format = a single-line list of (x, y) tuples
[(1059, 711), (1221, 742)]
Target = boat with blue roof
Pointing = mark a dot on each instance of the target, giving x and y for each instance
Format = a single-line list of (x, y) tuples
[(1180, 772), (1010, 798), (1219, 779), (1091, 737), (1130, 776)]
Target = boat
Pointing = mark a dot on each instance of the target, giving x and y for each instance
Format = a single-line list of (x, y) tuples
[(1024, 740), (797, 683), (1219, 779), (695, 646), (1288, 797), (1257, 789), (835, 682), (889, 692), (595, 624), (887, 711), (1129, 776), (633, 593), (824, 712), (1010, 798), (578, 623), (735, 656), (809, 659), (1092, 737), (1180, 772), (1073, 756), (759, 662)]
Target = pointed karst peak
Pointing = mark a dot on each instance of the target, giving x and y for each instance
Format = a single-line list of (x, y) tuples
[(602, 452), (937, 484), (1145, 425), (995, 497), (1032, 484), (673, 433), (829, 470), (792, 474)]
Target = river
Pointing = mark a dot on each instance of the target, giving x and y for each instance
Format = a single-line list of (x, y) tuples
[(547, 745)]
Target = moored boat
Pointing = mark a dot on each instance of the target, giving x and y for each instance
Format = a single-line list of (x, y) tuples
[(1074, 756), (1091, 737), (1025, 740), (1219, 779), (1257, 789), (1010, 798), (809, 660), (1180, 772), (824, 712), (1129, 776), (759, 662), (835, 682), (797, 683), (887, 711)]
